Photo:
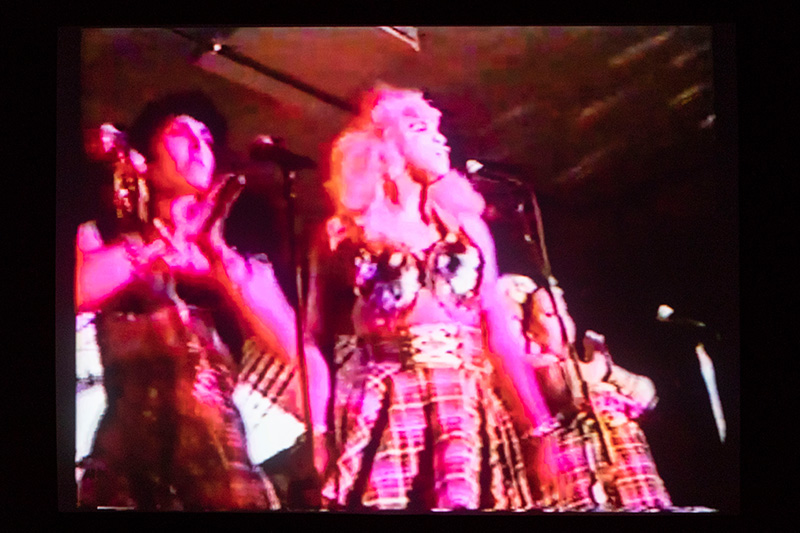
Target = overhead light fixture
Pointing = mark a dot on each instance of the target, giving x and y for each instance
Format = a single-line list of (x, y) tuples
[(407, 34), (639, 50), (207, 40)]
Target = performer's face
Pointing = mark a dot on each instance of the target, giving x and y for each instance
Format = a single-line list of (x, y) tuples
[(423, 146), (184, 161), (546, 326)]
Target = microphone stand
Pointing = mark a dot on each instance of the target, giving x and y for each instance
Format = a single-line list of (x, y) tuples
[(709, 378), (546, 271), (706, 365), (289, 175), (544, 274), (598, 492), (520, 189)]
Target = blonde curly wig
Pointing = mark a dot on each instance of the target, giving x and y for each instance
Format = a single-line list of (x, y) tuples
[(366, 156)]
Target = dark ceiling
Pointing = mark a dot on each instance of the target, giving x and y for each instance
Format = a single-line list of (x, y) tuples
[(620, 132)]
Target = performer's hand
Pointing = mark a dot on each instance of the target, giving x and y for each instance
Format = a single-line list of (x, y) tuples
[(638, 391), (212, 244), (188, 216), (144, 254), (182, 255), (595, 370), (540, 359), (188, 249)]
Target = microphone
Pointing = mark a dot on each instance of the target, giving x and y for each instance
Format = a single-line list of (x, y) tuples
[(477, 170), (666, 314), (271, 149)]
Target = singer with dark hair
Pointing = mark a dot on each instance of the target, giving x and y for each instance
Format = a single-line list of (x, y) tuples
[(404, 302), (182, 410), (604, 461)]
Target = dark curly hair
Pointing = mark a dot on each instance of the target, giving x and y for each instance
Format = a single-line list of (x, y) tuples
[(193, 103)]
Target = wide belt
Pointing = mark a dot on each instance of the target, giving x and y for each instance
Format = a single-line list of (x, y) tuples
[(428, 345)]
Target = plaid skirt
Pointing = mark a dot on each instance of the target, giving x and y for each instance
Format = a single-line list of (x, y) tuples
[(419, 428), (587, 481)]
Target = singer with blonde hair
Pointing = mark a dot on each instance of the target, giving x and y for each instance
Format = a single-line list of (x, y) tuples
[(405, 304)]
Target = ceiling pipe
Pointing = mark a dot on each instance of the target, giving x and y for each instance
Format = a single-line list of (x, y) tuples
[(229, 53)]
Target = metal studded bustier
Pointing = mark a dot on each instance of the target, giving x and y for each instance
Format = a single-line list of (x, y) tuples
[(388, 281)]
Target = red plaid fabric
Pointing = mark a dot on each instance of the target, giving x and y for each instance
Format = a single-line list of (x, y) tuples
[(422, 436), (636, 480), (631, 483), (275, 380)]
